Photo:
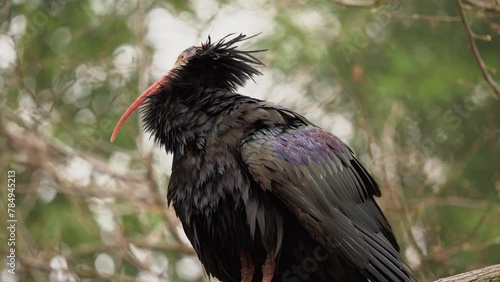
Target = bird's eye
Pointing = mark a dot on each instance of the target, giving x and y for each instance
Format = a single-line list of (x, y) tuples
[(182, 57)]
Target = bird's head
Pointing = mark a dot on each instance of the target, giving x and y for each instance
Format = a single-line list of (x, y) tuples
[(218, 65)]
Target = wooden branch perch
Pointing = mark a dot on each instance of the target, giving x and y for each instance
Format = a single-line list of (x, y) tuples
[(489, 273)]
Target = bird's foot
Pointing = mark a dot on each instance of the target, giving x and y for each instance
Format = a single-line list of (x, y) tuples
[(247, 267), (268, 268)]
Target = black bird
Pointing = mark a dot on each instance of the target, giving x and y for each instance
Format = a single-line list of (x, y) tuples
[(262, 193)]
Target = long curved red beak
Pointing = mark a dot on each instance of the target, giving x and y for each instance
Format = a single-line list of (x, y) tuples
[(153, 89)]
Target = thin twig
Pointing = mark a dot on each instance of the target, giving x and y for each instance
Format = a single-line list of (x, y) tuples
[(475, 51), (430, 18), (453, 201), (356, 4)]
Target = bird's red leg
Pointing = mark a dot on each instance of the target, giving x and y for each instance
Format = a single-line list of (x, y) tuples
[(247, 267), (268, 268)]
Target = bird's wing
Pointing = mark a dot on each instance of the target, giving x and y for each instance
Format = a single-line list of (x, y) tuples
[(318, 178)]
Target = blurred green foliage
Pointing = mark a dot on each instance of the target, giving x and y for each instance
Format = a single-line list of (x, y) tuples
[(424, 121)]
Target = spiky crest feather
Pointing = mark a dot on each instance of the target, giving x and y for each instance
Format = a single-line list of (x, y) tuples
[(220, 64)]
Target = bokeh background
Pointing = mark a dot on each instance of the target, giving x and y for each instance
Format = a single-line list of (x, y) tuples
[(395, 79)]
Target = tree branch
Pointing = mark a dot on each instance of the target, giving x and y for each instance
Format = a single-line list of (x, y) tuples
[(485, 5), (454, 201), (357, 4), (50, 156), (475, 51), (429, 18), (489, 273)]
